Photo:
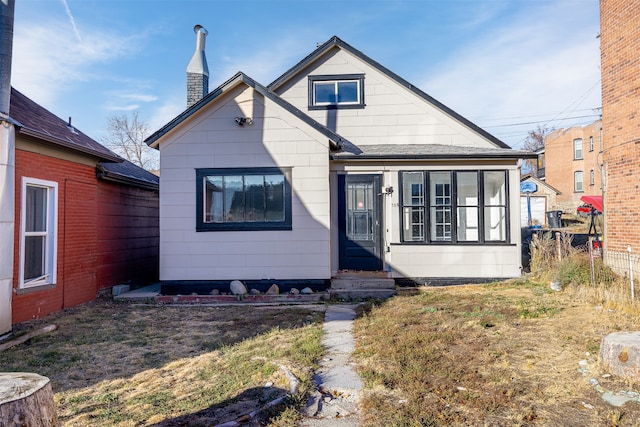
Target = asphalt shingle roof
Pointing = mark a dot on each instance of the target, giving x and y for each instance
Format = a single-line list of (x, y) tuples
[(427, 151), (33, 120), (36, 121)]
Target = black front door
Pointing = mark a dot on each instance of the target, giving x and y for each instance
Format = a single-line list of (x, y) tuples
[(359, 213)]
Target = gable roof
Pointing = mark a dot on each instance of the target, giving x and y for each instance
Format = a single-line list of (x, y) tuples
[(337, 42), (36, 121), (530, 177), (337, 140), (33, 120)]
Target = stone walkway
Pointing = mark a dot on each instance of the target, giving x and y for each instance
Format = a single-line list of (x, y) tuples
[(335, 403)]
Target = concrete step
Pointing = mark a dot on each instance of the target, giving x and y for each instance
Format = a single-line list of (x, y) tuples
[(360, 294), (362, 283)]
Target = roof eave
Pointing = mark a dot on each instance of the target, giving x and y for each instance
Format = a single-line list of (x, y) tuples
[(361, 157), (334, 139), (152, 140), (123, 179), (68, 145)]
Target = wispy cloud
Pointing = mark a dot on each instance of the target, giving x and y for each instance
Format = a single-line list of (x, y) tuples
[(71, 20), (535, 65), (49, 55)]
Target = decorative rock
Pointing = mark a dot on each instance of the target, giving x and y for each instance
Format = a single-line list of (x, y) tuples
[(238, 288), (273, 290), (294, 291), (555, 286), (215, 292), (306, 291), (254, 291), (620, 354)]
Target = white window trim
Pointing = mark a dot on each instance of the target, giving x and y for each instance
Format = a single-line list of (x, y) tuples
[(50, 276), (578, 149), (577, 181)]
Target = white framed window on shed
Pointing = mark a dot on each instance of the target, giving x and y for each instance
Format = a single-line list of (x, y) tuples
[(336, 91), (578, 183), (577, 149), (38, 232)]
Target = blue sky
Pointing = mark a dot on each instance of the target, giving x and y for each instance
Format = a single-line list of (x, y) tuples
[(507, 65)]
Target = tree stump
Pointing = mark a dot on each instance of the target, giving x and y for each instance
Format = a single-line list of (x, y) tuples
[(26, 399)]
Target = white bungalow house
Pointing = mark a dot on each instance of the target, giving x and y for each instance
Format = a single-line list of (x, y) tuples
[(339, 164)]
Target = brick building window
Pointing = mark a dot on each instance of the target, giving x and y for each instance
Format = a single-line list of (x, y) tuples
[(601, 143), (592, 177), (38, 232), (578, 182), (577, 149), (590, 143)]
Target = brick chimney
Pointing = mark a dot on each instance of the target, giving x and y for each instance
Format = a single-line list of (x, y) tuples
[(197, 70)]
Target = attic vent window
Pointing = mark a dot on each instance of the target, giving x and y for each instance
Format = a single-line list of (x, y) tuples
[(336, 91)]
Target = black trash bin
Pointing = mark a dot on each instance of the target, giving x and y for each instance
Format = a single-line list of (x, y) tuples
[(554, 219)]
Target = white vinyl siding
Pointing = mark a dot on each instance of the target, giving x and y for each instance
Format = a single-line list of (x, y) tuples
[(274, 140)]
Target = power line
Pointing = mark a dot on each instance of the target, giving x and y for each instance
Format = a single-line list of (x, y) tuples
[(542, 121)]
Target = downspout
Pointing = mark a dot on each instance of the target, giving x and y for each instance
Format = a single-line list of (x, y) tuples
[(7, 166)]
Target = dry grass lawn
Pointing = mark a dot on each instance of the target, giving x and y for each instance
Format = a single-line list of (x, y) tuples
[(131, 365), (503, 354)]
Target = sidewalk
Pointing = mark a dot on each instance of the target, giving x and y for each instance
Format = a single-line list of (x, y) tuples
[(335, 403)]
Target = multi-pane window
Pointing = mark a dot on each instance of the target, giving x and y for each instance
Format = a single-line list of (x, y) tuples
[(591, 143), (577, 149), (414, 214), (454, 206), (577, 181), (341, 91), (38, 230), (243, 199), (440, 204)]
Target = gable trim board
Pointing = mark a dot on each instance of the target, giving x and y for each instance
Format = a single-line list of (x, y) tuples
[(283, 135)]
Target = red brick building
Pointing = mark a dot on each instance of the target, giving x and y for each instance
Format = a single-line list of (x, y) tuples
[(620, 58), (572, 164), (85, 219)]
